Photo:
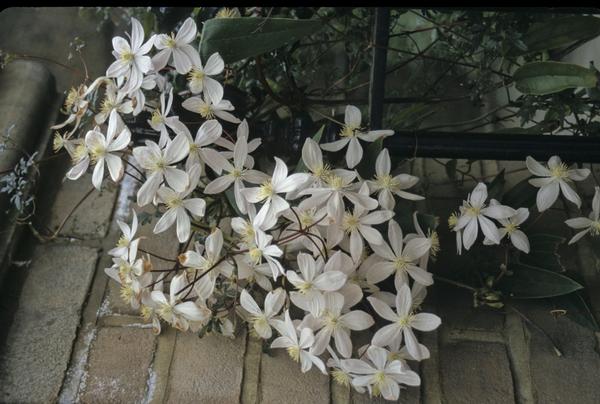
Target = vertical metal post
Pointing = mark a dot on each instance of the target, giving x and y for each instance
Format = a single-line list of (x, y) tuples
[(378, 65)]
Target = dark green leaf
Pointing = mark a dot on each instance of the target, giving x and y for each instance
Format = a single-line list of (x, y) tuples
[(544, 252), (577, 310), (529, 282), (522, 195), (366, 168), (540, 78), (300, 167), (231, 199), (559, 32), (240, 38), (496, 187), (427, 222)]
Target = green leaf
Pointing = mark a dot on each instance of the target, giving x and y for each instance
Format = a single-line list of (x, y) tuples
[(541, 78), (496, 187), (231, 199), (544, 252), (366, 168), (300, 167), (240, 38), (529, 282), (577, 310), (522, 195), (558, 33)]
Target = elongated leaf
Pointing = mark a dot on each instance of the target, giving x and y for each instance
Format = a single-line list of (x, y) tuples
[(240, 38), (577, 310), (522, 195), (496, 187), (366, 168), (231, 199), (544, 252), (559, 32), (529, 282), (301, 167), (540, 78)]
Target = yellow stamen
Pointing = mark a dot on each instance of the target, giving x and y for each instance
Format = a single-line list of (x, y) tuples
[(127, 293), (255, 254), (127, 56), (595, 228), (294, 352), (453, 220), (341, 377), (146, 312), (350, 222), (560, 171), (387, 182), (335, 181), (266, 190), (157, 117), (58, 142), (206, 111)]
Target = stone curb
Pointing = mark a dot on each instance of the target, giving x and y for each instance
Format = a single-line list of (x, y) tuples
[(28, 101)]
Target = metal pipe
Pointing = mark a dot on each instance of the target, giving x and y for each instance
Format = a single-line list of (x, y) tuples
[(377, 82), (493, 146)]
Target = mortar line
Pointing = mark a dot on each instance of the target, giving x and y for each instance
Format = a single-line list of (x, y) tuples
[(249, 393)]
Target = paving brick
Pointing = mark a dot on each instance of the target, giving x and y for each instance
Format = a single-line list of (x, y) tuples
[(475, 372), (118, 367), (207, 369), (92, 218), (38, 347), (282, 381), (572, 377)]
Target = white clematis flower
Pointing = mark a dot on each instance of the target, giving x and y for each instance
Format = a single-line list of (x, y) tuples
[(280, 182), (160, 121), (262, 321), (131, 62), (510, 229), (178, 207), (184, 55), (554, 179), (350, 134), (263, 248), (172, 310), (298, 349), (403, 322), (114, 100), (315, 278), (358, 225), (100, 149), (334, 323), (209, 110), (591, 224), (386, 185), (400, 259), (201, 82), (127, 240), (474, 213), (380, 375), (160, 164), (337, 187), (252, 145), (236, 174), (209, 259)]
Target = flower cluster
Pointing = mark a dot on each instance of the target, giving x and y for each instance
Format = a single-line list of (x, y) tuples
[(302, 257)]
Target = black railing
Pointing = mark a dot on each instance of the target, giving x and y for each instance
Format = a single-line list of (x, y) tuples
[(468, 145)]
